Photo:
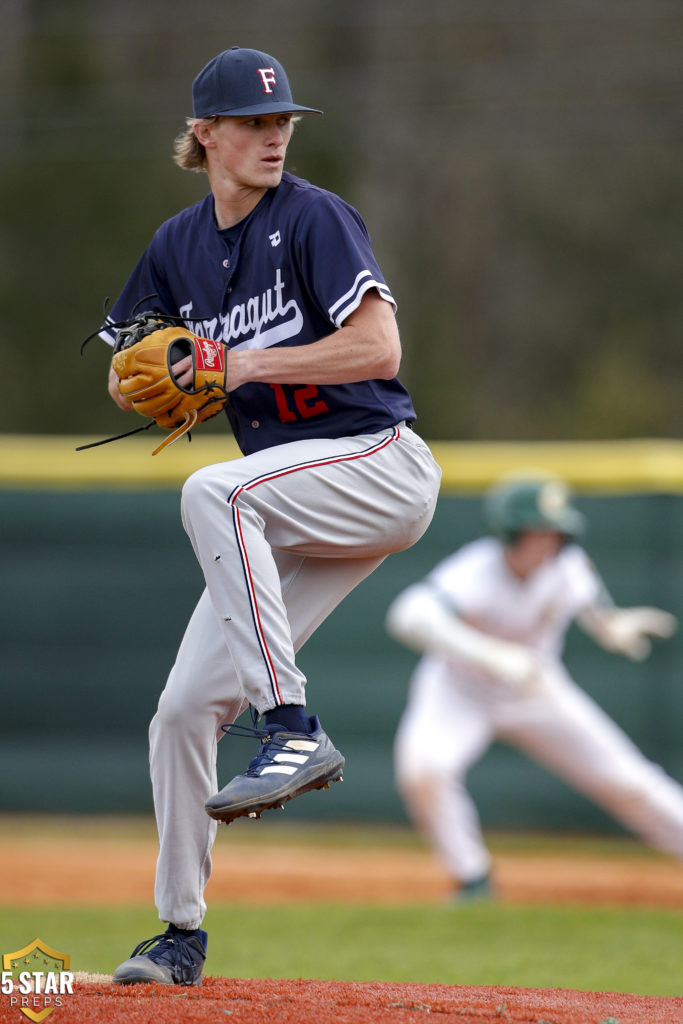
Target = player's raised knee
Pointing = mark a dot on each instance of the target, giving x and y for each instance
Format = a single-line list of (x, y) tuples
[(204, 483)]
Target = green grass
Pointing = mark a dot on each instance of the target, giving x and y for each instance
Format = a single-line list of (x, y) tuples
[(607, 949)]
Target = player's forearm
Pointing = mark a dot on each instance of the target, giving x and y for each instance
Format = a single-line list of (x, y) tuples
[(334, 360), (367, 347), (418, 619)]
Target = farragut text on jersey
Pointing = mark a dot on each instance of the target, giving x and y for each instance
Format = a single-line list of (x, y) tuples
[(249, 318)]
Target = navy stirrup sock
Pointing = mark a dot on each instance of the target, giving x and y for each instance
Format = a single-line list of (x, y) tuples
[(291, 717), (187, 932)]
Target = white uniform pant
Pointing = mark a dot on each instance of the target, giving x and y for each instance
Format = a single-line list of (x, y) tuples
[(282, 537), (449, 724)]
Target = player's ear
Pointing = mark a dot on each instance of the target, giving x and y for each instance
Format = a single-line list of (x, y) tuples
[(203, 132)]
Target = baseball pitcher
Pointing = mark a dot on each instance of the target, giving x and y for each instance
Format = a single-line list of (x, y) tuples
[(263, 301)]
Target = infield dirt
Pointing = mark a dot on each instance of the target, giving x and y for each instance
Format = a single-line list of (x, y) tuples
[(313, 865), (330, 866)]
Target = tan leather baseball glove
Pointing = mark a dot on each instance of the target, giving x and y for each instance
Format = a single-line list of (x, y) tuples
[(146, 350)]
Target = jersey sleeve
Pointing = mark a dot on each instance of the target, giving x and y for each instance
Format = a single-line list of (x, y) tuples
[(585, 586), (336, 257), (145, 282), (454, 581)]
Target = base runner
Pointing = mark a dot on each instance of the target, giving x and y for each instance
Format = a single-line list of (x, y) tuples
[(490, 621)]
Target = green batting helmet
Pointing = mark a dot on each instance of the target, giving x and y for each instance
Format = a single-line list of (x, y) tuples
[(531, 503)]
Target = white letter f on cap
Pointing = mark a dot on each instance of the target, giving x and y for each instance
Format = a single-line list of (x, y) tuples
[(267, 77)]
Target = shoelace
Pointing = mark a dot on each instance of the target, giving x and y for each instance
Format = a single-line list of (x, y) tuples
[(170, 948), (270, 744)]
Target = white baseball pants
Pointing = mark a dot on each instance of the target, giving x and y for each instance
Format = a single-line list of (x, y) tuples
[(449, 724), (282, 537)]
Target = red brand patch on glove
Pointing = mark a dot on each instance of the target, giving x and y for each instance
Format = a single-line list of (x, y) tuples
[(209, 354)]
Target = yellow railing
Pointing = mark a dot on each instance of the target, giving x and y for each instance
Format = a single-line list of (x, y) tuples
[(49, 462)]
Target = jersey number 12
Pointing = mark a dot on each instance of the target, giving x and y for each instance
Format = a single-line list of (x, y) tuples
[(298, 401)]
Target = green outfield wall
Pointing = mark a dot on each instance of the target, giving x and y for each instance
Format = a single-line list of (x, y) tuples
[(98, 580)]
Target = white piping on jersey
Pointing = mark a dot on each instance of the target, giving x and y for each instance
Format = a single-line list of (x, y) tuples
[(351, 300)]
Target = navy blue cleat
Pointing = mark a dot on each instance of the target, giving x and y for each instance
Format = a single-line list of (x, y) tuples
[(287, 765), (477, 890), (172, 958)]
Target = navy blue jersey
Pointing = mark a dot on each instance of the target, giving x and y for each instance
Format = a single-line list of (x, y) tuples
[(300, 265)]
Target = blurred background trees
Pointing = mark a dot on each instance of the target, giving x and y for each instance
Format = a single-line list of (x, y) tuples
[(517, 163)]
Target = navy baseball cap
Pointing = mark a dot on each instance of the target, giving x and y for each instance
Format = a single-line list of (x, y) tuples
[(241, 82)]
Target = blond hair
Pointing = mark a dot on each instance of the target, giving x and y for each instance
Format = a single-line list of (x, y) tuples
[(188, 151)]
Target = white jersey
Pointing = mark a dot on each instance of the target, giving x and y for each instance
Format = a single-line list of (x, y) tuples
[(456, 710), (477, 585)]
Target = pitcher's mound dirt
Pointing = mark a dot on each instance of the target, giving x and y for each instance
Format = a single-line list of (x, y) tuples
[(332, 1002)]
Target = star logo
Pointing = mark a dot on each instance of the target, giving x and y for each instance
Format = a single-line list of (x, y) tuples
[(35, 978)]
